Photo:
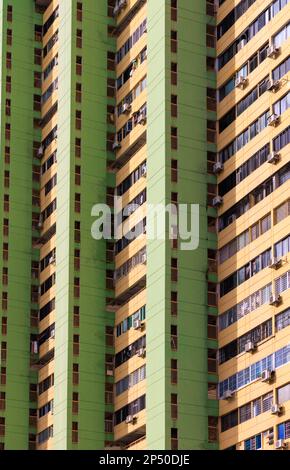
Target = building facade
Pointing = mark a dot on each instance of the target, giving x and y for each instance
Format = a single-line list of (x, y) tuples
[(135, 343)]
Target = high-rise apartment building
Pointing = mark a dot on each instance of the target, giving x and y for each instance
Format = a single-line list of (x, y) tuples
[(134, 342)]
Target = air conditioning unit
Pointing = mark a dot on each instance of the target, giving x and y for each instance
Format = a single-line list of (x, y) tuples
[(109, 372), (275, 300), (276, 409), (51, 260), (218, 167), (270, 437), (241, 44), (250, 346), (273, 85), (122, 4), (130, 419), (228, 394), (280, 444), (217, 201), (231, 218), (141, 352), (273, 158), (126, 108), (241, 82), (273, 120), (34, 347), (40, 151), (116, 9), (142, 119), (116, 145), (275, 263), (273, 51), (137, 324), (144, 258), (40, 223), (267, 375), (144, 171)]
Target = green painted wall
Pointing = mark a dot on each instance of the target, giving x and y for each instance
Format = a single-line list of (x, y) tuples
[(193, 404), (93, 317), (20, 232)]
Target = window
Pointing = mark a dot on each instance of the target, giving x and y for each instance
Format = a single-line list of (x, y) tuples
[(282, 320), (242, 139), (212, 391), (233, 16), (257, 195), (4, 326), (282, 69), (174, 171), (173, 10), (211, 131), (130, 380), (252, 373), (131, 41), (211, 99), (2, 426), (173, 73), (173, 105), (75, 434), (45, 435), (211, 361), (50, 20), (75, 374), (79, 11), (8, 60), (75, 402), (128, 352), (9, 13), (229, 420), (173, 42), (283, 394), (127, 323), (174, 304), (210, 35), (174, 338), (78, 65), (282, 105), (212, 327), (131, 409), (212, 429), (174, 406), (242, 240), (37, 80), (78, 122), (282, 247), (210, 64), (37, 33), (174, 439), (45, 409), (282, 35), (284, 430), (45, 384), (174, 141), (3, 376), (249, 33), (174, 371), (50, 67), (281, 212), (79, 38), (9, 37), (254, 443), (3, 351)]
